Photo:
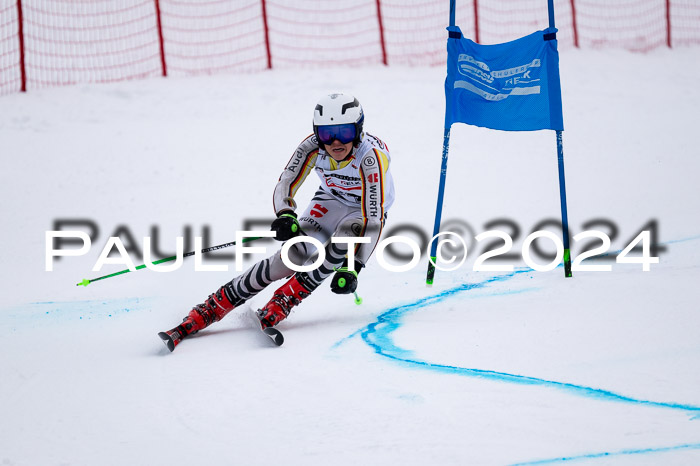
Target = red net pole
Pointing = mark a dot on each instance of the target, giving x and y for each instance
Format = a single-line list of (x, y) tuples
[(267, 35), (160, 39), (476, 21), (574, 28), (668, 23), (381, 32), (20, 34)]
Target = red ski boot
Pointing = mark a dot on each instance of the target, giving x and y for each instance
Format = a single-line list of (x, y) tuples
[(201, 316), (285, 298)]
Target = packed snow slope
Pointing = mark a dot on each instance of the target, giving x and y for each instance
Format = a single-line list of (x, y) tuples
[(500, 367)]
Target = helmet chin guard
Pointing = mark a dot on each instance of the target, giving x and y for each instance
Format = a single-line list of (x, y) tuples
[(339, 109)]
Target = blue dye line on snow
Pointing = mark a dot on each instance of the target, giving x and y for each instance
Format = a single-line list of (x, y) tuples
[(642, 451), (48, 312), (395, 312), (91, 302), (682, 240), (377, 336)]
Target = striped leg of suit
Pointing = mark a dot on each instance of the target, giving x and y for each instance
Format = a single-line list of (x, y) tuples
[(299, 287), (260, 275), (335, 255)]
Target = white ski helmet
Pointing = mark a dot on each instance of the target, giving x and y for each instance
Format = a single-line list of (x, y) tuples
[(338, 116)]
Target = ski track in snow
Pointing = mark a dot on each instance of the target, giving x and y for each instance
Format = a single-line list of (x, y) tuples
[(378, 336)]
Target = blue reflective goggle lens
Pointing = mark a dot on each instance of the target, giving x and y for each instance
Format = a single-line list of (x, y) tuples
[(343, 133)]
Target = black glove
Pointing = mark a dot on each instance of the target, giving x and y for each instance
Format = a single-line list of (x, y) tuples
[(285, 226), (345, 281)]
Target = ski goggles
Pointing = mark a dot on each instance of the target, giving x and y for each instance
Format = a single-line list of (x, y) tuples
[(344, 133)]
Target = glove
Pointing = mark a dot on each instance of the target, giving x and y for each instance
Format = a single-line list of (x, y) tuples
[(285, 226), (345, 281)]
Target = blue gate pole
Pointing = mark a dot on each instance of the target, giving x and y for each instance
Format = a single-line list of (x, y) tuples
[(564, 214), (443, 177), (438, 209), (562, 182)]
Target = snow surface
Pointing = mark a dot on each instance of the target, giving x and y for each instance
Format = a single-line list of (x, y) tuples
[(482, 368)]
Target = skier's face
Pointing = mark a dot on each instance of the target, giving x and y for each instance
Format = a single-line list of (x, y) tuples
[(338, 150)]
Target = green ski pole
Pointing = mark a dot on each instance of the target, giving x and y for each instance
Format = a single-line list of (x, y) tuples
[(86, 282), (358, 300)]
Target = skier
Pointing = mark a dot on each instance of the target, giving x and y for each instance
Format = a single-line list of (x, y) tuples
[(355, 194)]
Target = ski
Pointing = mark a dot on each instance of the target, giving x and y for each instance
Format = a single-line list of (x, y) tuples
[(171, 338), (275, 335), (272, 333)]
